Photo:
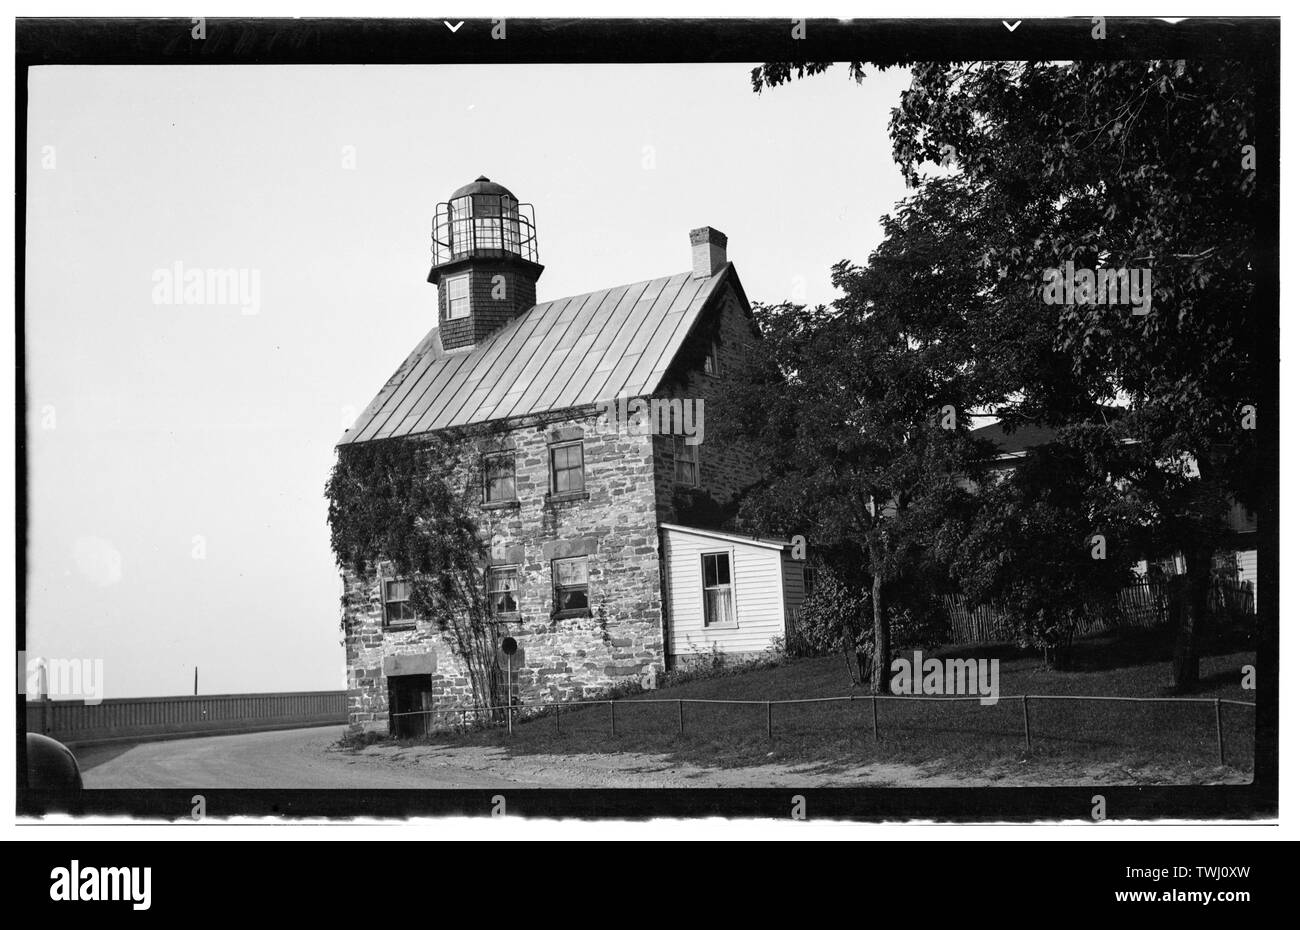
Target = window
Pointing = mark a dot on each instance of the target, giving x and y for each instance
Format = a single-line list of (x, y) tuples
[(686, 461), (499, 478), (566, 469), (1224, 565), (458, 297), (397, 603), (711, 363), (503, 590), (570, 576), (809, 579), (718, 607)]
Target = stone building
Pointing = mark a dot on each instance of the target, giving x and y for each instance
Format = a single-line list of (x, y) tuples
[(591, 413)]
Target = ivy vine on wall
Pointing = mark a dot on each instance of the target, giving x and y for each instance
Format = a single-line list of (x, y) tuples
[(410, 502)]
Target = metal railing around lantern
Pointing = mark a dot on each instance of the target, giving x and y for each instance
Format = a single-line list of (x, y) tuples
[(483, 225)]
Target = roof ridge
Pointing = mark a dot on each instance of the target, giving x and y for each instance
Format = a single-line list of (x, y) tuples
[(613, 287)]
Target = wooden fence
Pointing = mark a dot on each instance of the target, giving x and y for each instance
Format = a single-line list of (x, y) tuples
[(160, 717), (1141, 605)]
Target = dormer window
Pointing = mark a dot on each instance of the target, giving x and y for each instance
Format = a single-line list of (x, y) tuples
[(457, 296)]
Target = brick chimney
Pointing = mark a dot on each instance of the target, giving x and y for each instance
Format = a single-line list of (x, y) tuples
[(708, 252)]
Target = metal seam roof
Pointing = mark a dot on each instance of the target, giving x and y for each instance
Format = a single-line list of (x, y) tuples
[(569, 352)]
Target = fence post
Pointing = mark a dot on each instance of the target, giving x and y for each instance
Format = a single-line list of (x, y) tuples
[(557, 718), (769, 719), (681, 719), (611, 718), (875, 725), (1024, 704), (1218, 726)]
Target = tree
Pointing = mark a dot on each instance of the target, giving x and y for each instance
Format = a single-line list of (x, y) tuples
[(1144, 166), (858, 414), (839, 618), (1052, 542)]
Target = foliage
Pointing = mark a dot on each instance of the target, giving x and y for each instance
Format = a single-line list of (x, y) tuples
[(1126, 164), (1051, 544), (772, 657), (1132, 165), (837, 618), (917, 616), (859, 413), (407, 502), (696, 507)]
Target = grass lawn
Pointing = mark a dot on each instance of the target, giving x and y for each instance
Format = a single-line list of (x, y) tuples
[(950, 736)]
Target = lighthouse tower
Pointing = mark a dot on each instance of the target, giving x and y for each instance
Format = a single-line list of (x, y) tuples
[(484, 262)]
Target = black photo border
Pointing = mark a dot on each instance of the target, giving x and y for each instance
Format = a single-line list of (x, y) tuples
[(230, 41)]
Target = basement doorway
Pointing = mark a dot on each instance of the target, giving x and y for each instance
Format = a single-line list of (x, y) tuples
[(407, 696)]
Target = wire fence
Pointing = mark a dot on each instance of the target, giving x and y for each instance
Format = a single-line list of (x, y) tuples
[(538, 712)]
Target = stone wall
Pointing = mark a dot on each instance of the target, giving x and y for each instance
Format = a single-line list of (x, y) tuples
[(612, 523), (725, 468), (629, 489)]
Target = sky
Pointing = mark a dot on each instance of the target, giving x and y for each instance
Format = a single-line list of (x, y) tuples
[(177, 452)]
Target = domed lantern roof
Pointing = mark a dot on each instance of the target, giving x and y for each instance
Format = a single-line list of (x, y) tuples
[(483, 219), (483, 185)]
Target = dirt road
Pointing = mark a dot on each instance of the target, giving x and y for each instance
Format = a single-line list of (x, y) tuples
[(274, 759), (311, 759)]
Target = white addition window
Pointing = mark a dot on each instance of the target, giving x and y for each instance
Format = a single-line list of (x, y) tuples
[(719, 606), (686, 461), (503, 590), (397, 603), (458, 297), (570, 576)]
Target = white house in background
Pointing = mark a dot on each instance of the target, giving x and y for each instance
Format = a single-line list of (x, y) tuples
[(1237, 560), (727, 593)]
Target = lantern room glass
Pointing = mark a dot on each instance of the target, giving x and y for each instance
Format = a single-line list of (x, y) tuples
[(483, 223)]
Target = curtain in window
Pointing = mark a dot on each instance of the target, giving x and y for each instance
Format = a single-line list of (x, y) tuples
[(503, 589), (717, 606), (571, 584)]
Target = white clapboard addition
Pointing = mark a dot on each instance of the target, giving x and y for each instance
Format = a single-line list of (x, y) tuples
[(792, 575), (762, 574)]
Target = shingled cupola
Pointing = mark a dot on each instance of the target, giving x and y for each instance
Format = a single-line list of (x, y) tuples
[(484, 262)]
